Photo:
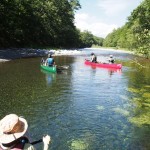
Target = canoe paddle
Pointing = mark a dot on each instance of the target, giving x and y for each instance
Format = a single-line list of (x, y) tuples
[(24, 140), (45, 139), (63, 67), (35, 142)]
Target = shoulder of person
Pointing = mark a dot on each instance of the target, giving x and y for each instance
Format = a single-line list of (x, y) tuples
[(28, 146)]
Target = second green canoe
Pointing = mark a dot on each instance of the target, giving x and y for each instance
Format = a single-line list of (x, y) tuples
[(50, 69)]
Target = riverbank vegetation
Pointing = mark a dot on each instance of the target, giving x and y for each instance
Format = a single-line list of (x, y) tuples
[(41, 23), (135, 34), (50, 23), (38, 23)]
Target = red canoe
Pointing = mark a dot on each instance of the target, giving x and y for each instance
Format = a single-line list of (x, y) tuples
[(116, 66)]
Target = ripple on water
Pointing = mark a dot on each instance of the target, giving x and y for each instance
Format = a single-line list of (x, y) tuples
[(85, 108)]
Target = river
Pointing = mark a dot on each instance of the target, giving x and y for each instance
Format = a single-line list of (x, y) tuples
[(82, 108)]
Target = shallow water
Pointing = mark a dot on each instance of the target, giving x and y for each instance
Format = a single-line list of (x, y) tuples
[(82, 108)]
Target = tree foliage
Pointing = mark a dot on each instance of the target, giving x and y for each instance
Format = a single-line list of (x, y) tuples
[(135, 34), (98, 41), (38, 23), (87, 39)]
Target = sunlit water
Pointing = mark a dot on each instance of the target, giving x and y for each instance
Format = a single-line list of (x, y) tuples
[(82, 108)]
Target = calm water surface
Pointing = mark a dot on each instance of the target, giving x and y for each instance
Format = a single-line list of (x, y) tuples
[(82, 108)]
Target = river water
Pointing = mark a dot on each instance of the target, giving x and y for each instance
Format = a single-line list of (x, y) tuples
[(82, 108)]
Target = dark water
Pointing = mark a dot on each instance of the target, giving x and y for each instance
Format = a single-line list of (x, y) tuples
[(82, 108)]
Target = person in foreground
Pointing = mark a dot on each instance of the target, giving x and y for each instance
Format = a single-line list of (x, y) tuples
[(93, 58), (50, 60), (13, 134), (111, 60)]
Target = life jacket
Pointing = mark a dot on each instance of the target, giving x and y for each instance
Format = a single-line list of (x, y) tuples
[(50, 61), (111, 60), (94, 59), (20, 143)]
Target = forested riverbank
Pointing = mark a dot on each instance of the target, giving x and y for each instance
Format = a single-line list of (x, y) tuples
[(41, 24), (135, 34)]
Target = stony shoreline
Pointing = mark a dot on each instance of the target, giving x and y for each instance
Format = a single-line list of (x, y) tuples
[(11, 54), (15, 53)]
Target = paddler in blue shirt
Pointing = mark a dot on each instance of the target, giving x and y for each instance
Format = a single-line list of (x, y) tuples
[(50, 60)]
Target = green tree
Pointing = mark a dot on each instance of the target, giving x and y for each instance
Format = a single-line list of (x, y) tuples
[(29, 23), (87, 39), (140, 23), (98, 41), (135, 34)]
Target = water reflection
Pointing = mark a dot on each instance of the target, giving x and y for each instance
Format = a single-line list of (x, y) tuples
[(50, 77), (111, 71)]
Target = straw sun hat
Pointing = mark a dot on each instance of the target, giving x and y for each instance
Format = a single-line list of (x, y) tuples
[(12, 127)]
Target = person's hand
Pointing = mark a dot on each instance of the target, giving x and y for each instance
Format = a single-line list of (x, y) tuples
[(46, 139)]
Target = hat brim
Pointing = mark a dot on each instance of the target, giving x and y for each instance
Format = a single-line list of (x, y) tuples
[(8, 138)]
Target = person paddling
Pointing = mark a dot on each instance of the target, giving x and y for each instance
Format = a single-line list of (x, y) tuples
[(50, 60), (93, 58), (13, 134), (111, 60)]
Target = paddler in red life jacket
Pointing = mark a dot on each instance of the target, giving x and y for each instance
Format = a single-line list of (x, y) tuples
[(93, 58), (50, 60), (13, 131)]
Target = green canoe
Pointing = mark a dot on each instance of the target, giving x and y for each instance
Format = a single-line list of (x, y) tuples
[(50, 69)]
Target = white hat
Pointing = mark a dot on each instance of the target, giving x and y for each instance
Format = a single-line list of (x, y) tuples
[(12, 127)]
